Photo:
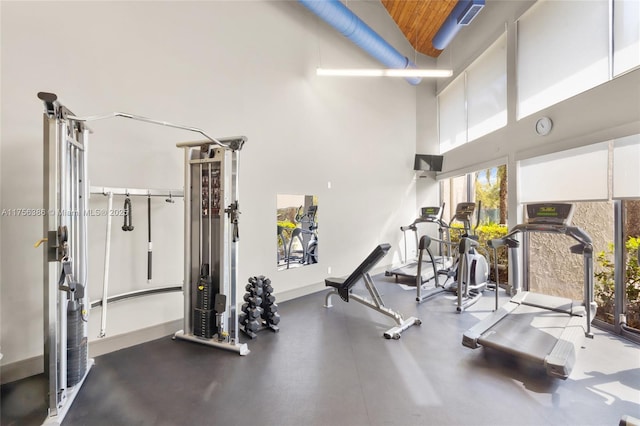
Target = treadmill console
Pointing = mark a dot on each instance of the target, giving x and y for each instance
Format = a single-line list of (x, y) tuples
[(550, 213), (464, 211), (311, 211), (430, 212)]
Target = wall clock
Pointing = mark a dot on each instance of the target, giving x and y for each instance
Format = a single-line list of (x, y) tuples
[(544, 126)]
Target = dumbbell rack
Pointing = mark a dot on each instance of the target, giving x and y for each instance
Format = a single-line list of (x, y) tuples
[(260, 311)]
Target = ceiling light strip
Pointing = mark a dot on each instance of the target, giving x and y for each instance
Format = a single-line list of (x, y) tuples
[(383, 72)]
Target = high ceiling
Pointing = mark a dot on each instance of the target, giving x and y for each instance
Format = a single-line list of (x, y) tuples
[(420, 20)]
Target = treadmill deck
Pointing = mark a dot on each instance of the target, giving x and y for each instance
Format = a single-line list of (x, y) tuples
[(547, 330), (411, 270), (528, 332)]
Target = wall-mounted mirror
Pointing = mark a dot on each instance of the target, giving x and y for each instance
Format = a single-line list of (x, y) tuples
[(297, 235)]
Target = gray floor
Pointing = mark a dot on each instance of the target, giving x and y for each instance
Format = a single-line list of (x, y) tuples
[(333, 367)]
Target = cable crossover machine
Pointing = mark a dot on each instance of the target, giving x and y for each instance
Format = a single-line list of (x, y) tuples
[(211, 247)]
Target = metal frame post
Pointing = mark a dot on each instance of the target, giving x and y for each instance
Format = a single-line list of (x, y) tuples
[(619, 254), (50, 268), (187, 241), (65, 194)]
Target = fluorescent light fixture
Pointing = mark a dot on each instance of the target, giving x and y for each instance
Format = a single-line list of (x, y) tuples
[(389, 72)]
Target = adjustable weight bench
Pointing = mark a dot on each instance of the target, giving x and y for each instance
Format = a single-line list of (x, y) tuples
[(342, 287)]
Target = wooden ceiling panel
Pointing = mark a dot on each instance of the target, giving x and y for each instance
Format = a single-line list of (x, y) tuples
[(420, 20)]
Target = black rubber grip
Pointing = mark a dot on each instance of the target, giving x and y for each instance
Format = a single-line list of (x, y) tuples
[(47, 97), (149, 253)]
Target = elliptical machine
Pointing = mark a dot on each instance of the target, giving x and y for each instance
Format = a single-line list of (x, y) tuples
[(306, 235), (472, 268), (466, 270)]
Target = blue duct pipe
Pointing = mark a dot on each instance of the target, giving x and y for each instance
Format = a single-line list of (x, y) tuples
[(461, 15), (355, 29)]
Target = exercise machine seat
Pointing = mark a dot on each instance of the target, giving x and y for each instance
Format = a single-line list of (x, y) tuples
[(344, 285)]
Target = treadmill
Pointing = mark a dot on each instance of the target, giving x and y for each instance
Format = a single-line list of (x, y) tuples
[(441, 262), (547, 330)]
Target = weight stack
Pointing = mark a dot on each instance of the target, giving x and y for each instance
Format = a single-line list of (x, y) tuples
[(76, 344), (203, 318), (202, 323)]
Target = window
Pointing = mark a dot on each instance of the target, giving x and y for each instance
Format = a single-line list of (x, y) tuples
[(454, 191), (610, 216), (563, 50), (487, 90), (631, 281), (626, 187), (452, 116), (626, 35), (553, 268), (572, 175), (490, 190), (626, 167), (475, 103)]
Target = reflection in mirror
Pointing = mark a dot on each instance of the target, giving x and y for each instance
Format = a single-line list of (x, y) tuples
[(297, 219)]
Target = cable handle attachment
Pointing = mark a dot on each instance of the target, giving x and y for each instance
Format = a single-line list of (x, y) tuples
[(128, 218), (234, 216)]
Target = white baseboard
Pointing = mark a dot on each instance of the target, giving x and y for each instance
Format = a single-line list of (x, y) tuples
[(21, 369), (121, 341), (35, 365), (299, 292)]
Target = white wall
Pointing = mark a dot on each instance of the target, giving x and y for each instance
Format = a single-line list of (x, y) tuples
[(427, 189), (1, 219), (227, 67)]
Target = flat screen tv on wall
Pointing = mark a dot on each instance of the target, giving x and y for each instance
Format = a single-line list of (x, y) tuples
[(429, 163)]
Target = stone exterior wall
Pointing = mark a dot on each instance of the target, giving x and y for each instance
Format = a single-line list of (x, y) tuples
[(554, 269)]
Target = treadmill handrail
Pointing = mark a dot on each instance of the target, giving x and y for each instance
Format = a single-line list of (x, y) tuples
[(425, 242), (574, 232), (427, 220), (443, 226)]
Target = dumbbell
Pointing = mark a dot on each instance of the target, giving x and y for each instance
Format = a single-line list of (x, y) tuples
[(273, 318), (242, 318), (256, 290), (254, 300), (273, 308), (256, 280), (267, 316), (255, 312), (253, 325), (268, 299)]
